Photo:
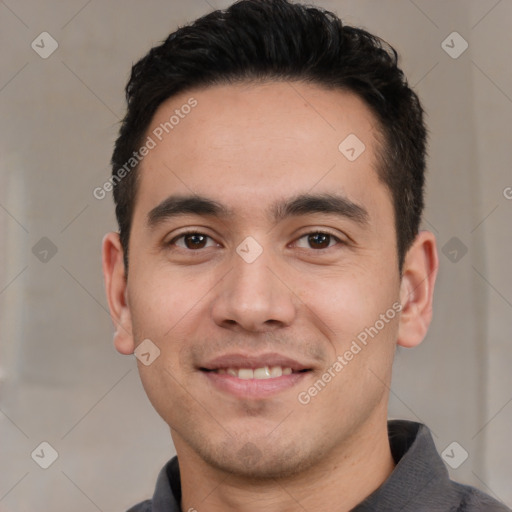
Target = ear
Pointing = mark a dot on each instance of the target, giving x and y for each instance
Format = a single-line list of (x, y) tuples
[(417, 289), (115, 286)]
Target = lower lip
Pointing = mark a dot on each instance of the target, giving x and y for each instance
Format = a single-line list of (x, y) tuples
[(254, 388)]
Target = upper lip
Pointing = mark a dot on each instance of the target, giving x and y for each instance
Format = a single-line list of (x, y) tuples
[(254, 361)]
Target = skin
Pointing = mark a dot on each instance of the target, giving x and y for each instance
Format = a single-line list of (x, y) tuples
[(247, 146)]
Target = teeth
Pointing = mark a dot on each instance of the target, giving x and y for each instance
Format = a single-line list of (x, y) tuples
[(245, 373), (276, 371), (258, 373)]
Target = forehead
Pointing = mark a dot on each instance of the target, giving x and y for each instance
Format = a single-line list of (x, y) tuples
[(250, 144)]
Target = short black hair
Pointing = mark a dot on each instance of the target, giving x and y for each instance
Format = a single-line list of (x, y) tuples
[(277, 40)]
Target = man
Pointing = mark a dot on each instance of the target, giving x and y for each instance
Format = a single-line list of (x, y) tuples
[(268, 180)]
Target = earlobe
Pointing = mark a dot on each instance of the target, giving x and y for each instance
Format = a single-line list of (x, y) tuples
[(116, 287), (417, 290)]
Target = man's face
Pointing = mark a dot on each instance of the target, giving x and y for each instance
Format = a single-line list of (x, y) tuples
[(263, 284)]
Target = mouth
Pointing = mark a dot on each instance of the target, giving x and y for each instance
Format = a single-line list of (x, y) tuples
[(246, 376), (262, 373)]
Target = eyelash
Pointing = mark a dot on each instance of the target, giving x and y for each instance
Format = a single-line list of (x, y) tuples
[(318, 232)]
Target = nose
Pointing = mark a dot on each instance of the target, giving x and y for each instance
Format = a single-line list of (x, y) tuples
[(254, 297)]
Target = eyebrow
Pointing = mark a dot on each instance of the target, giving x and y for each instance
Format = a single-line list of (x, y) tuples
[(302, 204), (305, 204)]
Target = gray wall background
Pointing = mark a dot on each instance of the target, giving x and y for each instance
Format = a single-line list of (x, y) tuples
[(61, 380)]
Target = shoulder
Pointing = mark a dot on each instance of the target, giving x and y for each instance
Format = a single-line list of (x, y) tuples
[(473, 500)]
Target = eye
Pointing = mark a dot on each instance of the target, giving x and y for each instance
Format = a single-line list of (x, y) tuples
[(192, 240), (318, 240)]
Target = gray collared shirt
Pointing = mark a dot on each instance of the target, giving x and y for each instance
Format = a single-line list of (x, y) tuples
[(419, 482)]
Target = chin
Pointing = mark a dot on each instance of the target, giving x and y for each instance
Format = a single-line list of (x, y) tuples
[(258, 461)]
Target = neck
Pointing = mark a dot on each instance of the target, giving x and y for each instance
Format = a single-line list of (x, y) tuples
[(337, 484)]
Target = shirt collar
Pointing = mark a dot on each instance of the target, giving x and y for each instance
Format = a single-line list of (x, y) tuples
[(167, 496), (419, 472)]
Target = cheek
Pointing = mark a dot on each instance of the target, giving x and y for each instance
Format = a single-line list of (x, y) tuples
[(160, 301), (340, 299), (169, 308), (351, 304)]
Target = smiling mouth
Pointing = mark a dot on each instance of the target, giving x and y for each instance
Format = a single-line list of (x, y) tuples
[(265, 372)]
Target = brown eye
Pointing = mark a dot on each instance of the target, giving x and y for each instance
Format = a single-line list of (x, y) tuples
[(195, 241), (192, 241), (319, 240)]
